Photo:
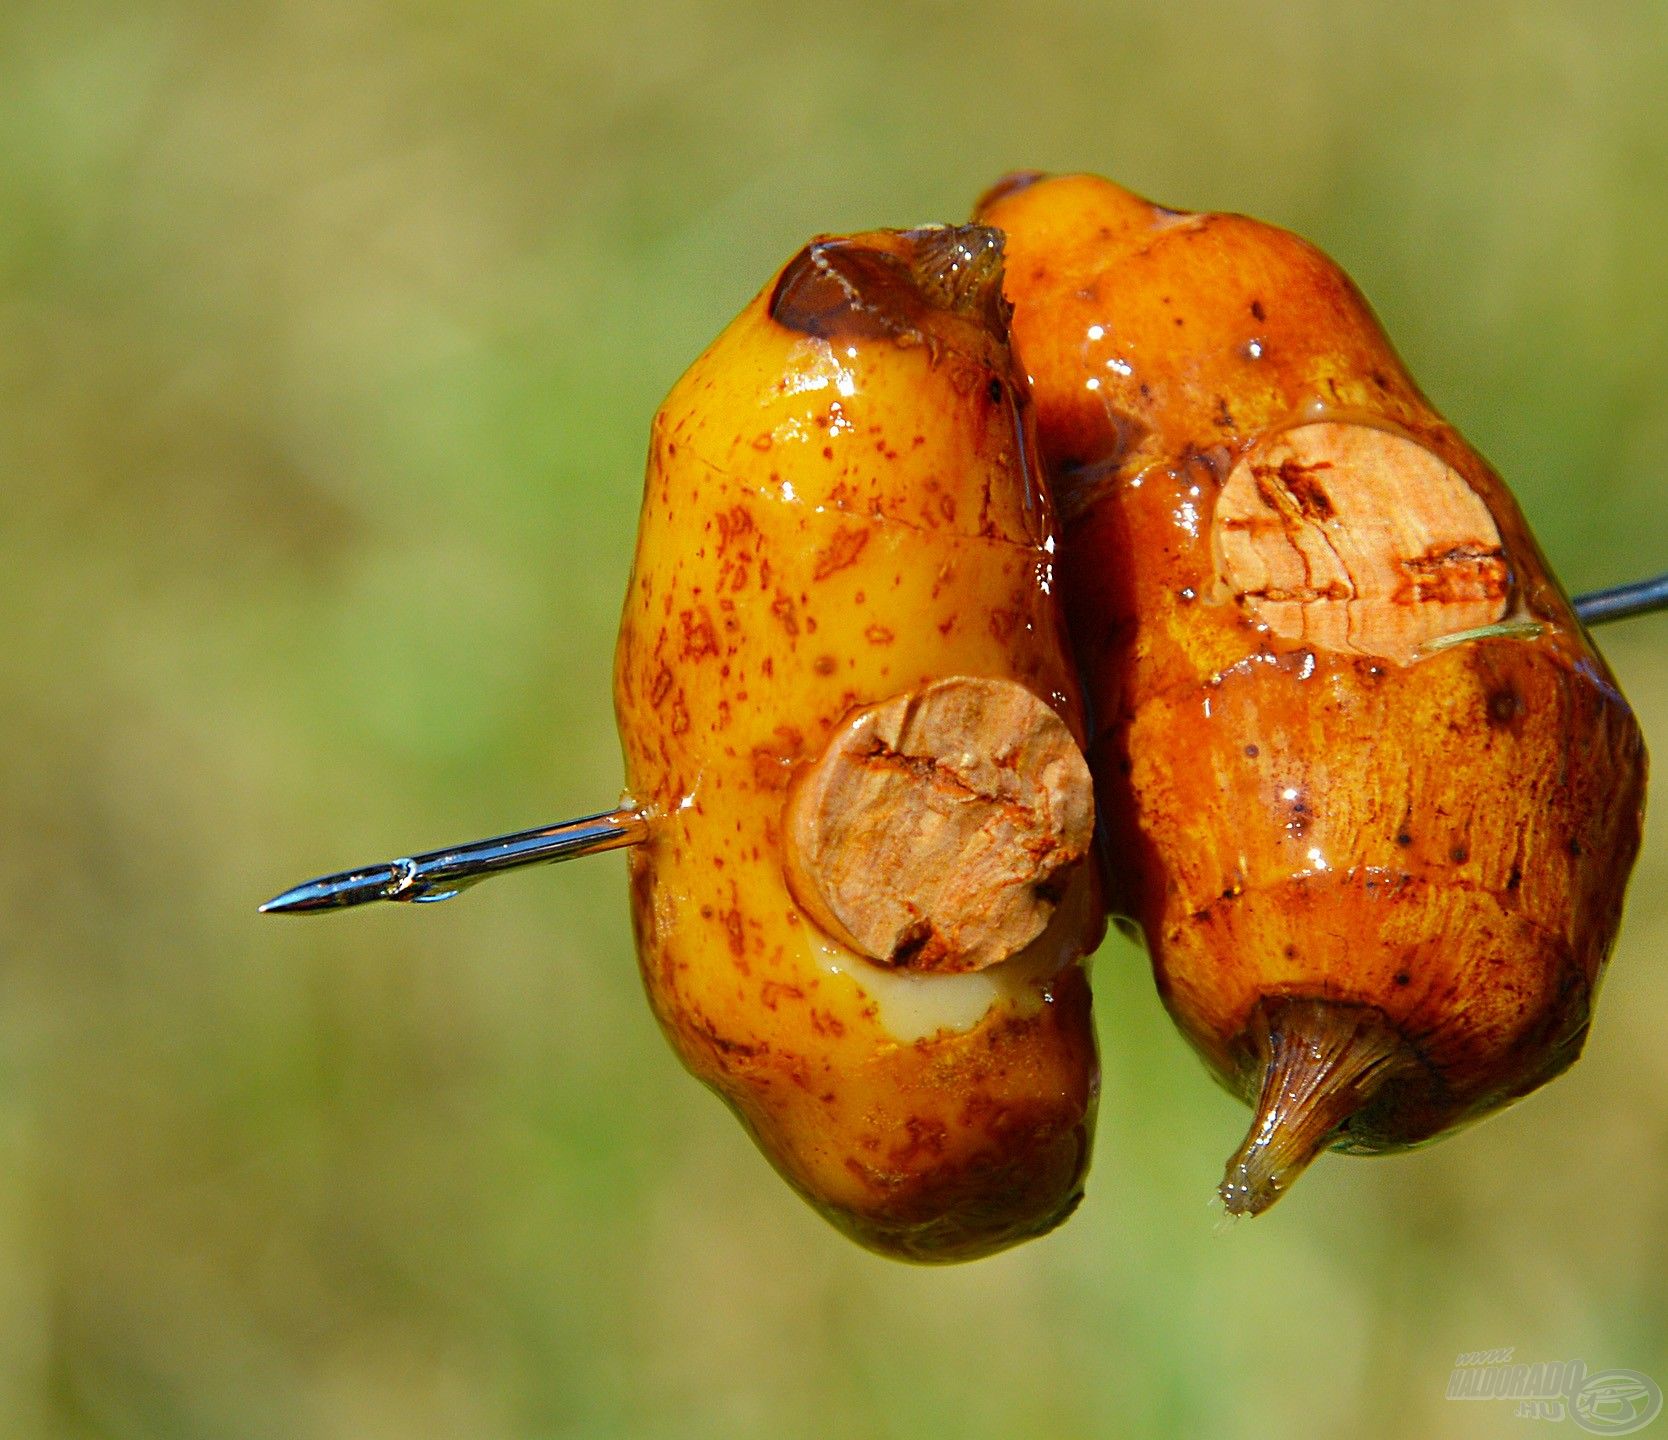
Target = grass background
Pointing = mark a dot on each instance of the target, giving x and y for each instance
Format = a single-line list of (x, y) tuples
[(329, 335)]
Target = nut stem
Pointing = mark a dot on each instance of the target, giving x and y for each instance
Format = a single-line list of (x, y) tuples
[(1322, 1061)]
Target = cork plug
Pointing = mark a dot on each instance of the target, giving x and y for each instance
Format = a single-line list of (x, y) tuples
[(938, 829), (1358, 539)]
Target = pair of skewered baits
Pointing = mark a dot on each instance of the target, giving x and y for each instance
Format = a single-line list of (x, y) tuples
[(1363, 782)]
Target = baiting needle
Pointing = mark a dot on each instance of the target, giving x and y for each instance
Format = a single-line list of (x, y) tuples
[(441, 874)]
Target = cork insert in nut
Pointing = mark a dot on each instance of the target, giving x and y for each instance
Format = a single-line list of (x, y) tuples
[(1353, 538), (939, 828)]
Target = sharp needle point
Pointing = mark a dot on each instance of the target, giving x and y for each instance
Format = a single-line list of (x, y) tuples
[(331, 892)]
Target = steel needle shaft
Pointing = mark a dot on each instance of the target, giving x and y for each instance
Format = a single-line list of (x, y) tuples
[(1622, 601), (441, 874)]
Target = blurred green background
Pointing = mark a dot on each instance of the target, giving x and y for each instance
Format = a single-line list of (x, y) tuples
[(329, 335)]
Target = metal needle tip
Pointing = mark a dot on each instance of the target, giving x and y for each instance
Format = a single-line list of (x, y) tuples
[(441, 874), (352, 887)]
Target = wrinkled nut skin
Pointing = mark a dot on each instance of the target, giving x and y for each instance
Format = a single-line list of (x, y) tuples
[(1442, 832), (840, 507)]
